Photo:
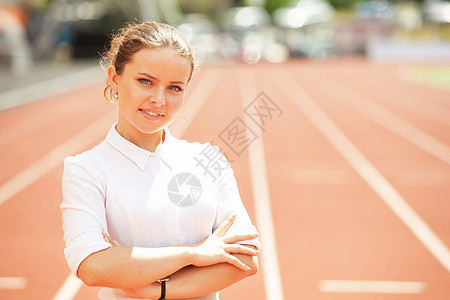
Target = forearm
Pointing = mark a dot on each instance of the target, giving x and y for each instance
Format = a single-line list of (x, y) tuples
[(218, 261), (194, 281), (132, 267)]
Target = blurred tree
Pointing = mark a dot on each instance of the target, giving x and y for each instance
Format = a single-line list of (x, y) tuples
[(198, 6), (212, 8), (43, 3), (272, 5), (343, 4)]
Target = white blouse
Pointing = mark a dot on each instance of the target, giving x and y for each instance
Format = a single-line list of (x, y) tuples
[(176, 196)]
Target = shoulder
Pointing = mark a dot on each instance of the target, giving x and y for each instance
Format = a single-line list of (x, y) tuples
[(205, 159), (189, 149), (90, 161)]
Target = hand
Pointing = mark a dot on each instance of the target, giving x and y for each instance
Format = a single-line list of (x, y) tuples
[(218, 249)]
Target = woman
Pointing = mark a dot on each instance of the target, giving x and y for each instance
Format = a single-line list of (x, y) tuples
[(139, 217)]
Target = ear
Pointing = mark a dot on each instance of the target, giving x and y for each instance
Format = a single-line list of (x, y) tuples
[(113, 78)]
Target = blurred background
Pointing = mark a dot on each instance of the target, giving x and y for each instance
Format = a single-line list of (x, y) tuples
[(54, 37), (378, 69), (33, 32)]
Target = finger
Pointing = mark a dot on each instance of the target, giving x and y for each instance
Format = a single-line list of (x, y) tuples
[(222, 229), (239, 237), (237, 263), (241, 250)]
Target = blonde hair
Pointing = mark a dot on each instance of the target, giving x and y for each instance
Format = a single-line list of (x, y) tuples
[(135, 36)]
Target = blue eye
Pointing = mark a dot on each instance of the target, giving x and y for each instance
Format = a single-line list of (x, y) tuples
[(144, 81), (175, 88)]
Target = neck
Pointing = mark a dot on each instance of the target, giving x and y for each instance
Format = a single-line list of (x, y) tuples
[(150, 142)]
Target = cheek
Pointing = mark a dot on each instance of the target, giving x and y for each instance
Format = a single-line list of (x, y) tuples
[(135, 98), (138, 92), (174, 102), (130, 98)]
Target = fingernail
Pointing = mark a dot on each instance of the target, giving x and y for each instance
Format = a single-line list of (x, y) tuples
[(247, 268)]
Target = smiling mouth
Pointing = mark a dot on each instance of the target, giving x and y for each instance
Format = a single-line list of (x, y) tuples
[(150, 113)]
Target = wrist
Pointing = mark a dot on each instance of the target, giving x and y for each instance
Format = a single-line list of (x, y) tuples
[(163, 284), (150, 291), (154, 290)]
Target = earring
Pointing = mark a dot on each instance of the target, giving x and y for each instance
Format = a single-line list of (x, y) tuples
[(116, 96)]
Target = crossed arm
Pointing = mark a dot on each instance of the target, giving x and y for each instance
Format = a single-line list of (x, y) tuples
[(192, 281), (195, 270)]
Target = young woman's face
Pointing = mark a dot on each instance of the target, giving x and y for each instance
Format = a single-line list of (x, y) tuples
[(150, 90)]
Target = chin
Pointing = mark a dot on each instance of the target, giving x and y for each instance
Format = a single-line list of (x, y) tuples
[(151, 128)]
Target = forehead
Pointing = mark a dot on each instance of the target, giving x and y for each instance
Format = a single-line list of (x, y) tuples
[(160, 62)]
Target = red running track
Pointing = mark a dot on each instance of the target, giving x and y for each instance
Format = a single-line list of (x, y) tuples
[(344, 125)]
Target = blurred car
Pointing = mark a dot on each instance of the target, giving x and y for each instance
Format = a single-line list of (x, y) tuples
[(437, 11), (304, 27)]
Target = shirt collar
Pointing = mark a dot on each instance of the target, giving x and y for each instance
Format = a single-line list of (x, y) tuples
[(141, 156)]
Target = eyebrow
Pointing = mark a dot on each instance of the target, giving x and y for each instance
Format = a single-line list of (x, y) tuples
[(153, 77)]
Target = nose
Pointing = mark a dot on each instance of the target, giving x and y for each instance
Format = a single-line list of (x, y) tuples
[(158, 98)]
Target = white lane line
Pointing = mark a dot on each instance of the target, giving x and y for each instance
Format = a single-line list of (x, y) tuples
[(51, 87), (12, 283), (377, 287), (194, 103), (260, 187), (55, 157), (390, 121), (59, 111), (69, 288), (365, 169)]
